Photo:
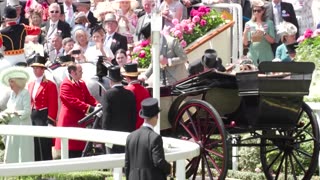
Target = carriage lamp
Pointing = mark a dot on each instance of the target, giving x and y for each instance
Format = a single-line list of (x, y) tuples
[(102, 68)]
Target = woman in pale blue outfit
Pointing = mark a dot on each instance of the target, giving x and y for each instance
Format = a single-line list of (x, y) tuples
[(287, 32), (17, 148), (259, 34)]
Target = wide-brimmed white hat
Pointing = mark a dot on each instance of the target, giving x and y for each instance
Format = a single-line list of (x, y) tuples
[(133, 3), (13, 72)]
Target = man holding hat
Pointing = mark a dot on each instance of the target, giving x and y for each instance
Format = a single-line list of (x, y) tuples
[(113, 40), (131, 74), (119, 108), (44, 104), (144, 155), (12, 38)]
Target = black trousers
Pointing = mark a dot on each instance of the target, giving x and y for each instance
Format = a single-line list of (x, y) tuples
[(42, 146)]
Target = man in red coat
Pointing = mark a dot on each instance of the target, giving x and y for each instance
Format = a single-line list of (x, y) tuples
[(44, 103), (76, 102), (131, 74)]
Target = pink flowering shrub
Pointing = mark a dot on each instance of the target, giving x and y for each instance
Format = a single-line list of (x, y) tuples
[(200, 22), (141, 54), (309, 47)]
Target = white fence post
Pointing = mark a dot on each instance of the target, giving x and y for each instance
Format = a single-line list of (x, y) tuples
[(64, 148), (180, 170), (117, 173)]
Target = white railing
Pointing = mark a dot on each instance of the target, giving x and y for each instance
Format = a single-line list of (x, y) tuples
[(175, 150)]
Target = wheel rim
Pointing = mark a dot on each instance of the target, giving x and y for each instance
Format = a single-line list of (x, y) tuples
[(293, 153), (199, 122)]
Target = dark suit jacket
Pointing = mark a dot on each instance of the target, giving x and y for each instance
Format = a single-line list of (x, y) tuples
[(144, 158), (118, 42), (119, 110), (287, 12), (63, 27)]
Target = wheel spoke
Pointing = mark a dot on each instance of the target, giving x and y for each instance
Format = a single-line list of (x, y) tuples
[(192, 123), (215, 153), (298, 162), (280, 165), (188, 131), (208, 167), (214, 163), (292, 167), (304, 153)]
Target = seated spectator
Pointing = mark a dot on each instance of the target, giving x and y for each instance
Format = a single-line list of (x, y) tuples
[(127, 19), (121, 57), (57, 49), (287, 32), (78, 54), (93, 52), (84, 6), (67, 44), (80, 21), (81, 38)]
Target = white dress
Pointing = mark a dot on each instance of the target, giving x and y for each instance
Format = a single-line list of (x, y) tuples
[(19, 148), (92, 54)]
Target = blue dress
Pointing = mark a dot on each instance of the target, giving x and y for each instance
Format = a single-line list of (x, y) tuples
[(260, 51), (282, 53)]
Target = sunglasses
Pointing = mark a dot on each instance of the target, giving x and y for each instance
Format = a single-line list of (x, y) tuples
[(257, 10), (55, 12)]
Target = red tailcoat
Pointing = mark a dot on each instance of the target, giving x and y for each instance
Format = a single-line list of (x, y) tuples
[(140, 94), (75, 104), (46, 97)]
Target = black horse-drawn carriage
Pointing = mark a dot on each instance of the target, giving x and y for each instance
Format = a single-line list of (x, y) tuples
[(212, 107), (215, 109)]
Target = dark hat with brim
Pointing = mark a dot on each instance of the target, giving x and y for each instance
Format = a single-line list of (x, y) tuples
[(39, 61), (149, 108), (66, 58), (83, 2), (291, 48), (114, 74), (131, 70), (10, 12), (209, 58)]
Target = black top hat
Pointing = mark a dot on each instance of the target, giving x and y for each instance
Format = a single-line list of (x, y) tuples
[(10, 12), (39, 61), (66, 58), (131, 70), (114, 74), (61, 9), (101, 69), (149, 108), (209, 58), (146, 30), (291, 48)]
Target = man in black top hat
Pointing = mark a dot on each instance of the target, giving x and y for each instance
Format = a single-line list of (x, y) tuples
[(209, 60), (119, 108), (44, 103), (144, 158), (12, 37)]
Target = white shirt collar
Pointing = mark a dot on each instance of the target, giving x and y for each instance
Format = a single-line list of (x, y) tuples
[(39, 79), (117, 85), (147, 125)]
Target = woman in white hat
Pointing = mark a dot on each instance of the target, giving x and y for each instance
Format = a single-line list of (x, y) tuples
[(287, 32), (127, 19), (18, 148)]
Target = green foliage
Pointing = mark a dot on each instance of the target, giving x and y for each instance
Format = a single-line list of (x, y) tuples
[(249, 157), (142, 54), (309, 51)]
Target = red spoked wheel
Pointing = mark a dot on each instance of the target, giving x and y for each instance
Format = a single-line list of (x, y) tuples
[(292, 154), (199, 122)]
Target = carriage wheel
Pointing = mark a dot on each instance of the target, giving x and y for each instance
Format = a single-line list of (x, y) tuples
[(294, 153), (199, 122)]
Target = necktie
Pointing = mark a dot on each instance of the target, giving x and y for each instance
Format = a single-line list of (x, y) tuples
[(277, 14), (69, 15)]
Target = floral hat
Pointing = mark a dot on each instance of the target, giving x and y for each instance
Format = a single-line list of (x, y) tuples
[(13, 72)]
